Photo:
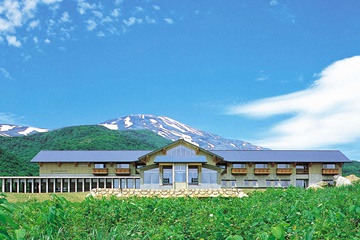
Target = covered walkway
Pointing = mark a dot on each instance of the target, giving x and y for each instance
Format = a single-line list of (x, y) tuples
[(64, 184)]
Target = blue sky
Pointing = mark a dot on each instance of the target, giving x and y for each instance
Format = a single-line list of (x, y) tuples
[(280, 74)]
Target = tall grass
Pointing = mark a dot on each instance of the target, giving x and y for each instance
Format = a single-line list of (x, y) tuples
[(332, 213)]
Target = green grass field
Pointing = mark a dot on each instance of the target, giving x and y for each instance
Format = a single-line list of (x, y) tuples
[(294, 213)]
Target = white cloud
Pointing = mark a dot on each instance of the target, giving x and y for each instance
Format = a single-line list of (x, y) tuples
[(65, 17), (98, 14), (91, 25), (51, 1), (12, 41), (83, 6), (34, 24), (116, 12), (156, 7), (5, 73), (36, 40), (131, 21), (47, 41), (139, 9), (324, 115), (118, 2), (150, 20), (100, 34), (169, 20)]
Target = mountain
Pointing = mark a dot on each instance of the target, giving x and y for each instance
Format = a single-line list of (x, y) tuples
[(173, 130), (7, 130)]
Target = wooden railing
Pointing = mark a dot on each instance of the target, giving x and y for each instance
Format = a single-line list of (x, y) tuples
[(262, 171), (330, 171), (284, 171), (122, 171), (100, 171), (302, 171), (238, 171)]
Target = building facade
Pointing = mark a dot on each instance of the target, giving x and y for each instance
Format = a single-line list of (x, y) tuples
[(179, 165)]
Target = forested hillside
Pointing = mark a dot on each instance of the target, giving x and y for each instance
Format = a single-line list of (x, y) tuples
[(16, 152), (351, 168)]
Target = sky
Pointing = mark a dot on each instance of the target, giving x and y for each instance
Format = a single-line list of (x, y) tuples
[(277, 73)]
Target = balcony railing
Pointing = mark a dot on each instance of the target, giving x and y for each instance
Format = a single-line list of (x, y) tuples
[(238, 171), (302, 171), (100, 171), (122, 171), (262, 171), (284, 171), (330, 171)]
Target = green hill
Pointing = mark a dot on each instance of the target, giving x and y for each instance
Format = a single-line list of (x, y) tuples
[(351, 168), (16, 152)]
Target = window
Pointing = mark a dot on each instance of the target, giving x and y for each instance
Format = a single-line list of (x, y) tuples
[(329, 166), (285, 183), (137, 183), (272, 183), (130, 183), (283, 165), (302, 169), (301, 183), (250, 183), (122, 183), (261, 165), (123, 165), (100, 165), (167, 175), (268, 183), (209, 176), (180, 173), (193, 175), (181, 151), (228, 183), (151, 176), (239, 165)]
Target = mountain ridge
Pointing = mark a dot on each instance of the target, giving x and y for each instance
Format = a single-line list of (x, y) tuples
[(173, 130), (163, 126)]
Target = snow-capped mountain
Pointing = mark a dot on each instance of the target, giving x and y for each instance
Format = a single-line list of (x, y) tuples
[(173, 130), (8, 130)]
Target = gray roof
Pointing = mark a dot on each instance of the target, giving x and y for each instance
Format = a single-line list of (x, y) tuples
[(88, 156), (176, 159), (327, 156)]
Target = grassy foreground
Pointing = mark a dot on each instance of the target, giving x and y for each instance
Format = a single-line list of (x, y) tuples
[(332, 213)]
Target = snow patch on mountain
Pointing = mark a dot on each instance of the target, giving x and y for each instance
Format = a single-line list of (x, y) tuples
[(174, 130), (9, 130)]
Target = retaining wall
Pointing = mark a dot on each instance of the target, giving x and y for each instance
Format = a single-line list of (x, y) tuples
[(165, 193)]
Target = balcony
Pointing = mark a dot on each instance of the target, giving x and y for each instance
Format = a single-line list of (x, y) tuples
[(262, 171), (122, 171), (284, 171), (238, 171), (330, 171), (100, 171), (302, 171)]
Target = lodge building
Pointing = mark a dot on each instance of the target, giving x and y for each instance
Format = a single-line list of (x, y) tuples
[(178, 165)]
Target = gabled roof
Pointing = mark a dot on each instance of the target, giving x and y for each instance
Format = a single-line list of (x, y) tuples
[(88, 156), (181, 141), (327, 156)]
